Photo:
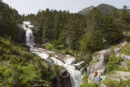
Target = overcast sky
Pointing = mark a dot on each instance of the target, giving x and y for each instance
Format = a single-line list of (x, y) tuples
[(33, 6)]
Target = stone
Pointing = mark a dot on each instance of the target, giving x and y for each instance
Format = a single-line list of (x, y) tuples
[(100, 67), (64, 78), (20, 35), (117, 50)]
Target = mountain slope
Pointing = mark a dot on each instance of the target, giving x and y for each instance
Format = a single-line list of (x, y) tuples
[(104, 8), (86, 10), (20, 68)]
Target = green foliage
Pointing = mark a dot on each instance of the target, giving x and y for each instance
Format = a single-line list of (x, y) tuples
[(8, 19), (113, 63), (126, 49), (86, 84), (74, 33), (59, 28), (128, 65), (91, 43), (20, 68), (125, 15), (49, 46), (101, 32), (113, 83)]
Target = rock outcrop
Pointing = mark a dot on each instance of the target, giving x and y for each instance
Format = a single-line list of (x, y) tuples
[(102, 57), (20, 36), (63, 79), (100, 66), (37, 36), (100, 63)]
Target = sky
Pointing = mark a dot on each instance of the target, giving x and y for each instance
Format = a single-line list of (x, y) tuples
[(33, 6)]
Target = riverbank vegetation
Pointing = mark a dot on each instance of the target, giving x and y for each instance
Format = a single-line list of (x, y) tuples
[(20, 68)]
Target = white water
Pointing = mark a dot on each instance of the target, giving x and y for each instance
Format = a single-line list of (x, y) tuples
[(76, 75), (29, 35)]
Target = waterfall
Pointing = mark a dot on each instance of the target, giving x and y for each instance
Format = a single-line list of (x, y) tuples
[(75, 75), (29, 34)]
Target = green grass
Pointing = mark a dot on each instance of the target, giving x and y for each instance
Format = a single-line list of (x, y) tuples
[(126, 49), (86, 84), (113, 63), (113, 83), (128, 65)]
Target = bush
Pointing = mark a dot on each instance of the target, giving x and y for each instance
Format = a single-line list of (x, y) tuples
[(89, 85), (126, 49), (8, 20), (20, 68), (86, 84), (113, 83), (113, 63)]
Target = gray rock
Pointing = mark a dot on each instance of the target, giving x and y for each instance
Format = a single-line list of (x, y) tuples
[(100, 67), (103, 59), (20, 35), (63, 79), (117, 50), (125, 57)]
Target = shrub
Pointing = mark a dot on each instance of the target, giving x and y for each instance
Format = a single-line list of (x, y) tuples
[(113, 63)]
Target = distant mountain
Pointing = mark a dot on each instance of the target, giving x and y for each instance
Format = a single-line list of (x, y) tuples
[(104, 8), (86, 10)]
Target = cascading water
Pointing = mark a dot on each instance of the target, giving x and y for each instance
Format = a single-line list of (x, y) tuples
[(29, 35), (75, 75)]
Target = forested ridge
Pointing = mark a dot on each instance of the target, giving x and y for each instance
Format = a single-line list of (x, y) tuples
[(9, 19), (78, 33)]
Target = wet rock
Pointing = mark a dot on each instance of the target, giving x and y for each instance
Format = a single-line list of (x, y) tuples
[(83, 70), (64, 74), (20, 35), (63, 79), (78, 67)]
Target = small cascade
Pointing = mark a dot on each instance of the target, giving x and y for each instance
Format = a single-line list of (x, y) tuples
[(75, 75)]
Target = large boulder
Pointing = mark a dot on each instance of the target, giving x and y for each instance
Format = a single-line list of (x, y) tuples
[(63, 79), (102, 57), (37, 36), (99, 66)]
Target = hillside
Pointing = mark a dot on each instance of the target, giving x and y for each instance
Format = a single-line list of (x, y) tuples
[(86, 11), (112, 65), (9, 18), (20, 68), (104, 8)]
